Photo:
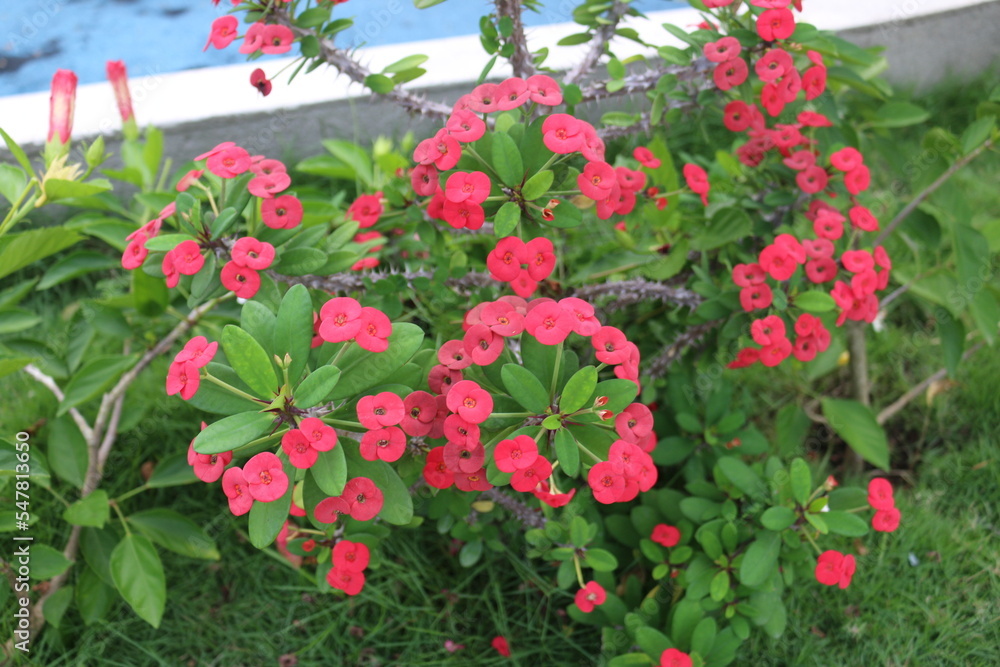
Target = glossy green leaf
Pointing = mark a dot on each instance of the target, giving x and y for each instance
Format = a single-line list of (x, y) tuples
[(801, 480), (293, 329), (842, 523), (233, 432), (814, 301), (525, 388), (397, 508), (856, 424), (361, 369), (19, 250), (316, 387), (47, 562), (507, 159), (567, 452), (250, 361), (266, 519), (777, 518), (760, 559), (93, 510), (537, 185), (506, 219), (138, 576), (330, 470), (578, 390), (174, 531)]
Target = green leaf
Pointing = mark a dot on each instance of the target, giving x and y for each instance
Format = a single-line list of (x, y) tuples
[(55, 606), (801, 481), (76, 264), (777, 518), (300, 261), (524, 387), (213, 398), (233, 432), (848, 525), (977, 133), (138, 576), (814, 301), (600, 560), (19, 250), (93, 510), (266, 519), (719, 586), (361, 369), (567, 452), (398, 504), (742, 477), (704, 634), (856, 424), (817, 522), (537, 185), (94, 597), (165, 242), (330, 471), (94, 378), (619, 119), (507, 159), (17, 152), (175, 532), (379, 83), (313, 18), (12, 182), (251, 363), (172, 471), (760, 559), (46, 562), (293, 329), (406, 63), (56, 189), (13, 320), (578, 390), (470, 553), (149, 294), (726, 225), (67, 451), (506, 219), (316, 387), (899, 114), (424, 4), (952, 334)]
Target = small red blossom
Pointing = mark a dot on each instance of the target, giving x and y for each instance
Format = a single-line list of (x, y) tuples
[(265, 477), (590, 596), (665, 535)]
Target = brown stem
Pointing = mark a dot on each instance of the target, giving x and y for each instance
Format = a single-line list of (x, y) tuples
[(659, 365), (355, 71), (637, 290), (598, 44), (929, 190), (890, 411), (343, 282), (520, 60), (531, 518)]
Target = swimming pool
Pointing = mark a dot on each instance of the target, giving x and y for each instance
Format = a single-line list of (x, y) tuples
[(158, 36)]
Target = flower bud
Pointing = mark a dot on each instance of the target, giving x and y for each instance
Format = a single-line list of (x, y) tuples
[(830, 484), (95, 154), (119, 81), (61, 104), (600, 401), (605, 414)]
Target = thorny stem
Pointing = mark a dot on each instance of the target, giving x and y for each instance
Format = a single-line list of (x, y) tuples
[(520, 60), (599, 44)]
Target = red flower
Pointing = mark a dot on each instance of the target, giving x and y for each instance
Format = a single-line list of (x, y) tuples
[(234, 485), (119, 81), (674, 658), (526, 479), (330, 509), (775, 24), (465, 456), (514, 454), (197, 351), (697, 180), (259, 81), (473, 187), (539, 258), (502, 319), (597, 180), (419, 410), (239, 279), (364, 499), (470, 401), (387, 444), (266, 186), (473, 481), (277, 39), (880, 494), (284, 212), (504, 262), (886, 521), (298, 449), (563, 133), (755, 296), (500, 642), (634, 423), (736, 116), (253, 254), (610, 345), (265, 477), (223, 32), (725, 49), (773, 65), (183, 378), (187, 258), (846, 159), (463, 215), (607, 484), (374, 331), (665, 535), (350, 556), (834, 568), (465, 126), (767, 330), (229, 162), (511, 93), (863, 219), (366, 209), (189, 178), (590, 596), (748, 356), (383, 409), (424, 179), (340, 319), (646, 157), (544, 90), (349, 582), (730, 73), (857, 180), (436, 473), (549, 323)]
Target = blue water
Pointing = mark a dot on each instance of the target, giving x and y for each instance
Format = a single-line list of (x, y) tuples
[(37, 37)]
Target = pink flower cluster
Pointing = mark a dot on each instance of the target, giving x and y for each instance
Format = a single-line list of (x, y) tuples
[(521, 264), (262, 37), (184, 376), (361, 499), (880, 497), (135, 251), (350, 559), (249, 257), (261, 478), (343, 319)]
